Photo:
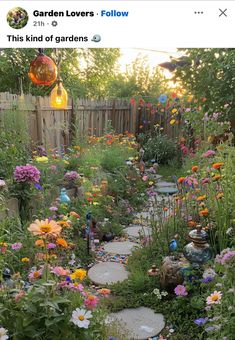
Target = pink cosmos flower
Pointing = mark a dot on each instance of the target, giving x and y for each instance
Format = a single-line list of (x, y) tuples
[(91, 301), (19, 295), (208, 153), (180, 290), (76, 287), (205, 180), (145, 178), (16, 246), (35, 274), (60, 271)]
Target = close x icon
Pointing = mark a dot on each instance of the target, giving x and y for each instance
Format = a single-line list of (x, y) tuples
[(223, 12)]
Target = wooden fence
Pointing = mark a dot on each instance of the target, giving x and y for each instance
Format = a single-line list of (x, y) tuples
[(54, 128)]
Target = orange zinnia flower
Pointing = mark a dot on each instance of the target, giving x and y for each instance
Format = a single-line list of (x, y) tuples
[(39, 243), (195, 168), (165, 209), (192, 224), (180, 180), (45, 228), (217, 165), (216, 177), (64, 223), (61, 242), (204, 212), (74, 214), (201, 198)]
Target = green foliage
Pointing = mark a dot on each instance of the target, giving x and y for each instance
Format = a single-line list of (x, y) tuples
[(90, 81), (138, 80), (14, 141), (160, 148), (210, 75)]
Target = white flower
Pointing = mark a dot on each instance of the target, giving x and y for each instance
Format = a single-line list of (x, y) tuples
[(164, 293), (80, 318), (2, 183), (156, 291), (3, 334), (209, 273)]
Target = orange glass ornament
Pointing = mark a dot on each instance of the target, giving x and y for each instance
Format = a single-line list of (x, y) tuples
[(43, 70)]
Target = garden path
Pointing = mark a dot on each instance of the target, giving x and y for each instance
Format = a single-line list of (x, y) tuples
[(142, 323)]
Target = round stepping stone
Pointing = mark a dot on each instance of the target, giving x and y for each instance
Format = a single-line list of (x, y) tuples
[(105, 273), (123, 248), (165, 184), (167, 190), (135, 229), (142, 323)]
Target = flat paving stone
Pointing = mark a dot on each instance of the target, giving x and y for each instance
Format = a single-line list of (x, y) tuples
[(123, 248), (163, 184), (106, 273), (141, 323), (167, 190), (135, 229)]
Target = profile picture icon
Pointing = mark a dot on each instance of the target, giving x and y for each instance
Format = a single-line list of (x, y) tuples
[(17, 17)]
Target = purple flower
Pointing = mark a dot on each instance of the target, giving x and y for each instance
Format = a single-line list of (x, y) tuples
[(16, 246), (111, 338), (51, 246), (207, 279), (209, 329), (53, 208), (26, 174), (71, 176), (180, 290), (200, 321), (38, 186)]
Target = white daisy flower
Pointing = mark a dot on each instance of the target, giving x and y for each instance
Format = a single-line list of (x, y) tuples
[(80, 318), (3, 334)]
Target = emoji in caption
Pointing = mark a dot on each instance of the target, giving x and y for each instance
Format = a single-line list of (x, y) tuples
[(96, 38)]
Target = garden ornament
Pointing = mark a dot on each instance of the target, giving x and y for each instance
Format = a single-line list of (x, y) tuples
[(43, 70), (153, 271), (198, 251), (64, 198)]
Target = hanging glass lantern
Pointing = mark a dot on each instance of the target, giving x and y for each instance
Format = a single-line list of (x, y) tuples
[(59, 96), (43, 70)]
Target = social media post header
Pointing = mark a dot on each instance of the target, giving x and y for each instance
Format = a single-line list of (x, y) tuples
[(117, 24)]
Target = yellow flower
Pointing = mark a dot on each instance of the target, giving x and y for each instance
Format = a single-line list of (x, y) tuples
[(151, 183), (78, 274), (219, 195), (174, 110), (66, 162), (25, 259), (172, 122), (201, 198), (42, 159)]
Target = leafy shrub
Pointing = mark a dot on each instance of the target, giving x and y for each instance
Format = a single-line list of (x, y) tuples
[(160, 148)]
